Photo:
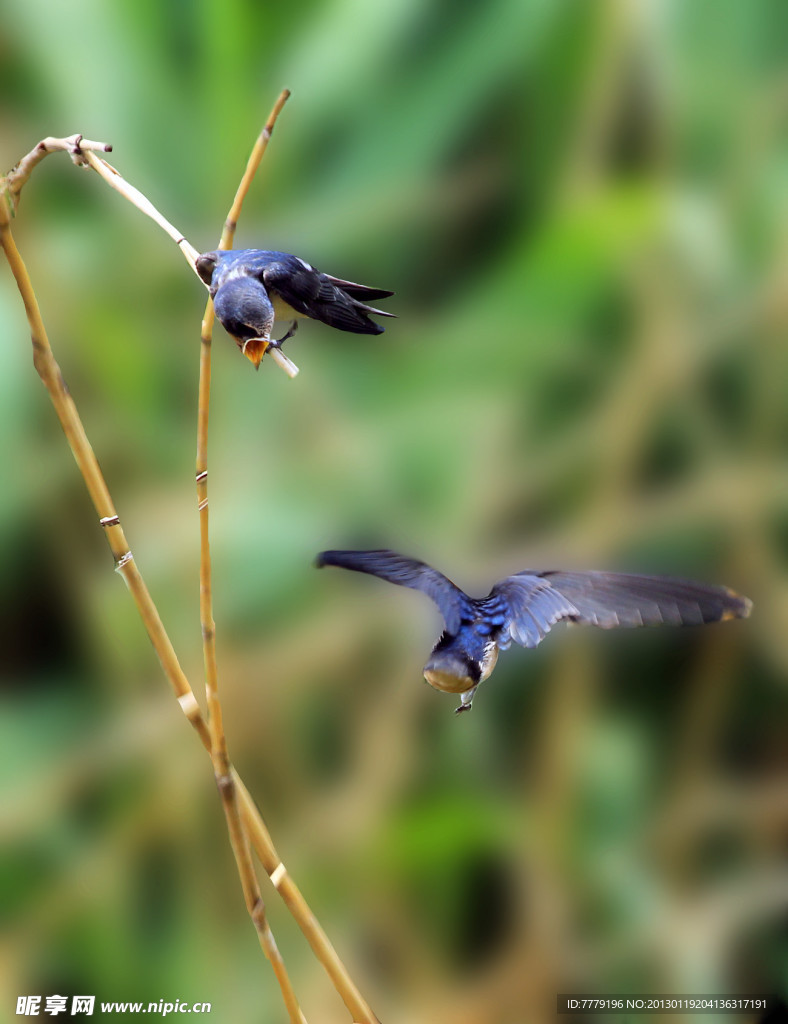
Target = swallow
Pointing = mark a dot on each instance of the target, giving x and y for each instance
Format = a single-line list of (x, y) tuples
[(251, 288), (524, 607)]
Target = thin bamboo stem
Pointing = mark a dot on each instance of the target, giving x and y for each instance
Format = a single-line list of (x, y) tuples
[(77, 148), (299, 908), (87, 463), (85, 457), (219, 756), (250, 885), (237, 795), (52, 378), (218, 740), (116, 180)]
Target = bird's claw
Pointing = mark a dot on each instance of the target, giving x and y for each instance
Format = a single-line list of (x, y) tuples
[(466, 699), (277, 342)]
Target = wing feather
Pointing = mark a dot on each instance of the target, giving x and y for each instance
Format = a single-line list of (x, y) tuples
[(536, 601), (453, 603)]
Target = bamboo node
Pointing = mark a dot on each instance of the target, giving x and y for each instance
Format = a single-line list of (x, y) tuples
[(110, 521), (278, 874), (123, 560), (189, 705)]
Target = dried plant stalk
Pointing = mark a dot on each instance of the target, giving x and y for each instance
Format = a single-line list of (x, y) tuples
[(52, 378), (219, 755), (218, 741), (225, 779), (259, 835)]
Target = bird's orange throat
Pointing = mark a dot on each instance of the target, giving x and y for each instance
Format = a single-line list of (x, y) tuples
[(254, 349)]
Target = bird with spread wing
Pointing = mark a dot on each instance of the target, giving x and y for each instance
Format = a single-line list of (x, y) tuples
[(524, 607)]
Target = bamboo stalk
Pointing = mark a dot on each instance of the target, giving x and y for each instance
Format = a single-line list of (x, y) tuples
[(77, 148), (225, 779), (249, 883), (218, 741), (52, 378), (259, 834), (223, 772)]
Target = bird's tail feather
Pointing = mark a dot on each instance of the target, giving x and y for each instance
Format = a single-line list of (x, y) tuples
[(358, 291)]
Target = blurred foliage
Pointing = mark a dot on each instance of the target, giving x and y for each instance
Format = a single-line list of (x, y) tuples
[(582, 209)]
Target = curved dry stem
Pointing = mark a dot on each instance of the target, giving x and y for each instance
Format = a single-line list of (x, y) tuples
[(219, 755), (294, 901), (239, 796), (52, 378), (218, 742), (116, 180), (77, 148), (228, 791)]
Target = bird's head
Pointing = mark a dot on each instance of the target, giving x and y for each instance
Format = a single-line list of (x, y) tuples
[(245, 311), (205, 264)]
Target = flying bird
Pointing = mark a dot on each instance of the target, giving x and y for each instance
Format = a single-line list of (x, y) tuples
[(251, 288), (524, 607)]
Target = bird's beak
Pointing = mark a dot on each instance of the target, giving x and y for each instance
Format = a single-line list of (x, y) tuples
[(254, 349)]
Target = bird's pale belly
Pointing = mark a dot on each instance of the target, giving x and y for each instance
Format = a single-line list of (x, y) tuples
[(284, 311)]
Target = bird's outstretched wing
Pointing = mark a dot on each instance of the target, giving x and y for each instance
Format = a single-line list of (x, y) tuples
[(453, 603), (536, 601)]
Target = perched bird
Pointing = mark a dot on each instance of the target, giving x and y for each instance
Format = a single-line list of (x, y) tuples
[(524, 607), (251, 288)]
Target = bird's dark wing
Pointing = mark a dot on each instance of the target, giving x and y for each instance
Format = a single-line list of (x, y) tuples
[(297, 283), (317, 296), (537, 600), (453, 603)]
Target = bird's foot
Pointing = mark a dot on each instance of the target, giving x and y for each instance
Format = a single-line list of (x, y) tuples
[(277, 342), (466, 700)]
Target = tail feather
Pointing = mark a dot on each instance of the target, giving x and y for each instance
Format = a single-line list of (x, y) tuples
[(371, 309), (358, 291)]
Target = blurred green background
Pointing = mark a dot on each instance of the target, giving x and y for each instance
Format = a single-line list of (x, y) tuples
[(582, 209)]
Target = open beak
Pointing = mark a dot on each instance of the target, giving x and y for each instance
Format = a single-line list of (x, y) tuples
[(254, 349)]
